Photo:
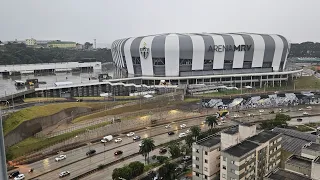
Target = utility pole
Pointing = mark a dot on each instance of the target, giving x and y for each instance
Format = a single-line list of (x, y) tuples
[(3, 163), (95, 43)]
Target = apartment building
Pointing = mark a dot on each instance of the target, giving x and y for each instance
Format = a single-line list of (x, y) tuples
[(206, 158), (252, 158)]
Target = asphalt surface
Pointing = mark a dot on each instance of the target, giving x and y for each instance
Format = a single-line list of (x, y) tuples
[(85, 165)]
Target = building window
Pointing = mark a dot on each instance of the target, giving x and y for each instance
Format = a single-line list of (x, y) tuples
[(206, 153), (224, 167), (232, 170), (205, 169), (159, 61), (205, 161), (224, 158), (185, 61), (208, 61), (197, 150), (197, 158), (223, 176), (197, 166), (206, 177), (218, 149), (197, 174), (136, 60), (232, 162)]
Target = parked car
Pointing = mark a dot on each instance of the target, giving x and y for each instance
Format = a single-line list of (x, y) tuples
[(182, 135), (186, 158), (170, 133), (118, 153), (183, 126), (305, 113), (64, 174), (136, 138), (118, 140), (299, 119), (91, 152), (60, 158), (300, 109), (261, 111), (162, 150), (19, 177), (309, 107), (188, 131), (140, 145), (130, 134), (167, 126), (14, 174)]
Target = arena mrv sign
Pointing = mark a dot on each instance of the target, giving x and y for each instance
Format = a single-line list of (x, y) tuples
[(222, 48)]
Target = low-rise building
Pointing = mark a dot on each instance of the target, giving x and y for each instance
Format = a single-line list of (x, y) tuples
[(299, 164), (31, 42), (281, 174), (62, 44), (311, 150), (315, 169)]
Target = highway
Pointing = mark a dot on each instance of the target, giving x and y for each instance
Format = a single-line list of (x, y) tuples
[(127, 146)]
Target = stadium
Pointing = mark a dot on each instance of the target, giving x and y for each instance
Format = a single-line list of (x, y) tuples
[(235, 59)]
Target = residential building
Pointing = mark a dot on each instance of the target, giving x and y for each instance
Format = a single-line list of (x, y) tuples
[(237, 134), (299, 164), (62, 44), (206, 158), (281, 174), (252, 158), (315, 169), (310, 150), (31, 42)]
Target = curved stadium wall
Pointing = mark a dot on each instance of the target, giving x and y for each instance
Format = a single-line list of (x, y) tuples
[(182, 55)]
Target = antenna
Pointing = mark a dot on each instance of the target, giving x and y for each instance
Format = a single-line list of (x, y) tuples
[(95, 43)]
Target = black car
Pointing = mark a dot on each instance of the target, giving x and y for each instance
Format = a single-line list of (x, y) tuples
[(136, 138), (299, 119), (170, 133), (91, 152), (14, 174), (118, 153), (162, 150)]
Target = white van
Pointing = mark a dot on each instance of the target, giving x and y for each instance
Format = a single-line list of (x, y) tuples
[(107, 138)]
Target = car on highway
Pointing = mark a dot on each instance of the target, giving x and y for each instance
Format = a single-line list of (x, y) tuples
[(64, 174), (20, 177), (162, 150), (91, 152), (103, 141), (170, 133), (130, 134), (136, 138), (203, 122), (236, 115), (300, 109), (118, 153), (60, 158), (182, 135), (14, 174), (167, 126), (309, 107), (118, 140), (261, 111), (305, 113), (186, 158), (299, 119), (183, 126)]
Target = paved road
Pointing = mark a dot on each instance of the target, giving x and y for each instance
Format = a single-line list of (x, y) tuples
[(86, 164)]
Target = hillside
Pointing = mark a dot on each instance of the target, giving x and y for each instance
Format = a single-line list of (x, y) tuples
[(20, 54)]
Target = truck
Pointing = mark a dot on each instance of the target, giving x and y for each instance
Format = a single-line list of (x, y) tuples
[(106, 139)]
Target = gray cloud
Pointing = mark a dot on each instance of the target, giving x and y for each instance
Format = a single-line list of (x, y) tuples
[(107, 20)]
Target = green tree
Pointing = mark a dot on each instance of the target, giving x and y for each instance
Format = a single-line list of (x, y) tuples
[(147, 147), (189, 140), (282, 117), (125, 172), (186, 148), (167, 171), (162, 159), (137, 168), (174, 150), (116, 173), (195, 131), (211, 121)]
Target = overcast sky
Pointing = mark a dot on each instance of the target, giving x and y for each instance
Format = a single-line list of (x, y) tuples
[(106, 20)]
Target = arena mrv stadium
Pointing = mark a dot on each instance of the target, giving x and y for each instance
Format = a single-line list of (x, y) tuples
[(238, 59)]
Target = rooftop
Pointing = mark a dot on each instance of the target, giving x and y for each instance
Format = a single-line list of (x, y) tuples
[(209, 141), (281, 174), (241, 149), (61, 42), (313, 146), (247, 124), (299, 161), (263, 136), (232, 130)]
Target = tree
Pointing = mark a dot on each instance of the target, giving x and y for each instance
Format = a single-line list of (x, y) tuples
[(124, 172), (174, 150), (189, 140), (116, 173), (162, 159), (195, 131), (87, 45), (186, 149), (167, 171), (137, 168), (147, 147), (211, 121)]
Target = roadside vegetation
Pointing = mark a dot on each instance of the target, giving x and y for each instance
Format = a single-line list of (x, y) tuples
[(279, 121), (43, 99), (304, 128), (110, 97)]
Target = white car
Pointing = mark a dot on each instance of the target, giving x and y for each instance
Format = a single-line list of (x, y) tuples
[(140, 144), (236, 115), (183, 126), (182, 135), (64, 173), (203, 122), (309, 107), (261, 111), (168, 126), (130, 134), (103, 141), (60, 158), (187, 131), (19, 177), (300, 109), (305, 113), (118, 140)]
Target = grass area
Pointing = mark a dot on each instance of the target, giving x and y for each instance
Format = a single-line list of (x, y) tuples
[(307, 82), (315, 125), (102, 98), (33, 144), (284, 156), (15, 119), (150, 166), (303, 128), (192, 100), (43, 99)]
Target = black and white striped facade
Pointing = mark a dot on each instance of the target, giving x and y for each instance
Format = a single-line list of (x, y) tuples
[(183, 55)]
